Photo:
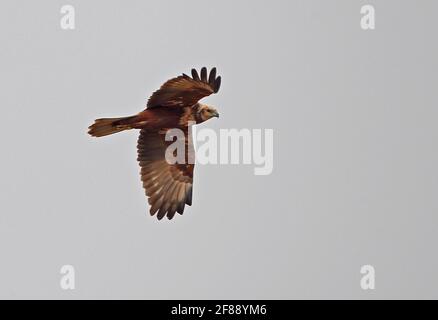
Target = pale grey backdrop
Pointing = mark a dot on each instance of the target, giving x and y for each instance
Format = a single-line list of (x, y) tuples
[(355, 176)]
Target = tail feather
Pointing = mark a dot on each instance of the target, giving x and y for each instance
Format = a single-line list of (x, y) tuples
[(107, 126)]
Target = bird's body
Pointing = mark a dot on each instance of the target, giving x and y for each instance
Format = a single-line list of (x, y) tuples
[(158, 118), (174, 106)]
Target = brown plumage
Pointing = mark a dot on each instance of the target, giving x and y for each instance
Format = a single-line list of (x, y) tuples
[(175, 105)]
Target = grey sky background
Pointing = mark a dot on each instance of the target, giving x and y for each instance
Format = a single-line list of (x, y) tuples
[(354, 181)]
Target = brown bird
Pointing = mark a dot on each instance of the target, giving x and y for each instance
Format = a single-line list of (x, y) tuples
[(168, 186)]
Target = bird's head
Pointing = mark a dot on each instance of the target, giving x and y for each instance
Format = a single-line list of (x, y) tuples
[(205, 112)]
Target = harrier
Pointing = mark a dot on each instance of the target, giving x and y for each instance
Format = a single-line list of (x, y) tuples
[(168, 186)]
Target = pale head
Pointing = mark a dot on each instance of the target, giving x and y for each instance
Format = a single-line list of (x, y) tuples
[(205, 112)]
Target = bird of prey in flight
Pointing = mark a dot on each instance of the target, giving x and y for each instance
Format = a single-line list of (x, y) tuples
[(176, 104)]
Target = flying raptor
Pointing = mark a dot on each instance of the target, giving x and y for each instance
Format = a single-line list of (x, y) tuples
[(168, 186)]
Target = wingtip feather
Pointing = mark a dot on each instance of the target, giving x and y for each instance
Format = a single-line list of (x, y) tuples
[(195, 75), (204, 74), (217, 84)]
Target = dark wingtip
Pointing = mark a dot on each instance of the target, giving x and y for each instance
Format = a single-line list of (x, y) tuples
[(189, 196), (171, 214), (195, 75), (217, 84), (152, 213), (212, 76), (181, 207), (204, 74), (161, 213)]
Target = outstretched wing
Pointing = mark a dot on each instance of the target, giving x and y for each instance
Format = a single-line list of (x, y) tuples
[(185, 91), (168, 186)]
